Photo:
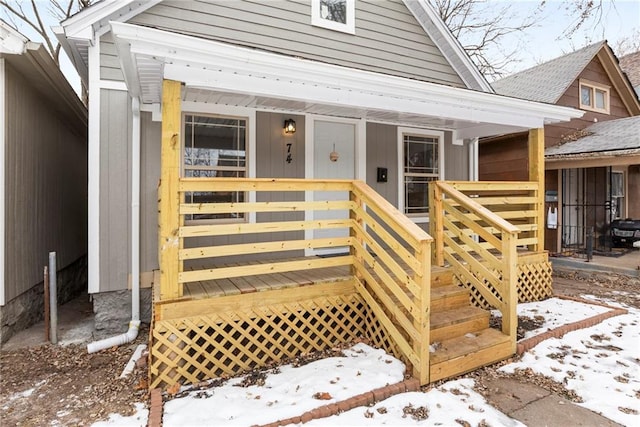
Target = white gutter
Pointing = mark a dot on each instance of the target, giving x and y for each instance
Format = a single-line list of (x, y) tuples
[(134, 325)]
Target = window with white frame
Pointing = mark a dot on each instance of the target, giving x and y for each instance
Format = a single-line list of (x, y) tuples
[(338, 15), (617, 195), (214, 147), (594, 97), (421, 165)]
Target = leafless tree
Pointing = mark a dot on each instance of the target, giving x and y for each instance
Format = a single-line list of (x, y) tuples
[(627, 45), (483, 29), (33, 14)]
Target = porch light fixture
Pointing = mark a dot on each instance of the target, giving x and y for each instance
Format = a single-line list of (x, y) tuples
[(289, 126)]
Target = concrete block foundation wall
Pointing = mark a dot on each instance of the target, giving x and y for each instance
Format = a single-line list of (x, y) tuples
[(28, 308), (113, 311)]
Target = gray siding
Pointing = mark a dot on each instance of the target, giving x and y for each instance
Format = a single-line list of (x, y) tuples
[(456, 160), (115, 189), (46, 187), (388, 39), (150, 138), (382, 151), (109, 62)]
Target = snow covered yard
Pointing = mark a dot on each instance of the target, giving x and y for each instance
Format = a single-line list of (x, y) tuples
[(600, 363)]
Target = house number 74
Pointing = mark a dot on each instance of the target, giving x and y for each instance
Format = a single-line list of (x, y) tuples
[(289, 156)]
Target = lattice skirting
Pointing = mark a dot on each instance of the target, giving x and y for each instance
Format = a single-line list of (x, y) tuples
[(534, 281), (189, 350)]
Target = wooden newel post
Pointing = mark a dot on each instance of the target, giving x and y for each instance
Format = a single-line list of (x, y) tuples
[(536, 174), (436, 226), (423, 320), (510, 286), (169, 216)]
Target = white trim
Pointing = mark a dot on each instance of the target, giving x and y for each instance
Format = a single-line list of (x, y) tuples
[(401, 131), (319, 21), (112, 85), (215, 65), (3, 130), (226, 110), (448, 45), (93, 206)]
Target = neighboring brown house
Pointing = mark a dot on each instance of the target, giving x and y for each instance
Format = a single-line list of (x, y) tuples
[(630, 64), (591, 168)]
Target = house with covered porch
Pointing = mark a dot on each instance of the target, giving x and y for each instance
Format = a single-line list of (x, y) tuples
[(288, 175)]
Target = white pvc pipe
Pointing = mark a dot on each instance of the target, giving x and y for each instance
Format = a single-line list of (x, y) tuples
[(134, 325), (53, 298), (125, 338)]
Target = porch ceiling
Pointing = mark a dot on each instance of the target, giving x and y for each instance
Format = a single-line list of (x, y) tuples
[(218, 73)]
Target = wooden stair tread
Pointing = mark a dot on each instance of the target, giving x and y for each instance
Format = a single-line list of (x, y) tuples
[(468, 343), (448, 297), (457, 315)]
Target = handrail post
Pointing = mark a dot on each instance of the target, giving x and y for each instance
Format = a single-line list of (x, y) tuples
[(169, 221), (423, 319), (436, 223), (510, 286)]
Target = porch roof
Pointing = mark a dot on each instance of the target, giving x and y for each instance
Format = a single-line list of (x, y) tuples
[(220, 73)]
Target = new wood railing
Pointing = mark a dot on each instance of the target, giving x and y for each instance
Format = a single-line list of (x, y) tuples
[(390, 257), (480, 244)]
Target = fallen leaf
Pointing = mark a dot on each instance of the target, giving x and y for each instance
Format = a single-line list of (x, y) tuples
[(322, 395), (141, 385), (174, 389)]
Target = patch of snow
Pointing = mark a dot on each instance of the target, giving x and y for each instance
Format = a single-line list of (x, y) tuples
[(139, 419), (448, 405), (600, 363), (555, 312)]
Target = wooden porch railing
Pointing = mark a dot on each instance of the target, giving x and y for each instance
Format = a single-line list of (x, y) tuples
[(474, 237), (382, 246)]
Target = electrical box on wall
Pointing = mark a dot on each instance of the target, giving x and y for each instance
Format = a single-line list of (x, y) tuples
[(551, 196), (382, 174)]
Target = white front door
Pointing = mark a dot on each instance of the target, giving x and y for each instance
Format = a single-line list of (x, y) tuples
[(334, 157)]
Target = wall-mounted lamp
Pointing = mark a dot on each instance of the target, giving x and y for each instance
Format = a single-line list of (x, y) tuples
[(289, 126)]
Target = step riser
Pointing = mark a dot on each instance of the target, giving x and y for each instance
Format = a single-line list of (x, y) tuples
[(441, 278), (458, 329), (470, 361), (448, 302)]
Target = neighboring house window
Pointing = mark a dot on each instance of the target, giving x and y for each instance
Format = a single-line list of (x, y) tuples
[(617, 195), (421, 157), (214, 147), (336, 15), (594, 97)]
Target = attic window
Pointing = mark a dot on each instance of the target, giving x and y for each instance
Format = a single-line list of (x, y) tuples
[(338, 15), (594, 97)]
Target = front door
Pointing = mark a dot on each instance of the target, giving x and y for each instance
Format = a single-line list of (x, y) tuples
[(334, 157)]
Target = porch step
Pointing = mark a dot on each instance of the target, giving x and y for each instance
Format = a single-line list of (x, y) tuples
[(448, 297), (441, 276), (457, 322), (456, 356)]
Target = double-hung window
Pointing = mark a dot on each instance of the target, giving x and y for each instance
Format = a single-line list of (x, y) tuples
[(617, 195), (421, 164), (594, 97), (214, 147)]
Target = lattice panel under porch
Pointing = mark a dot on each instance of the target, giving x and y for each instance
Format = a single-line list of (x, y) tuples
[(189, 350), (534, 282)]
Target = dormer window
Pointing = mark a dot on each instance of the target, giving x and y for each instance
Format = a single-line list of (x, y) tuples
[(338, 15), (594, 97)]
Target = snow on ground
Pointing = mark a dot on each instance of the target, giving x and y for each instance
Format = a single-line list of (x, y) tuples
[(555, 312), (454, 403), (600, 363), (139, 419)]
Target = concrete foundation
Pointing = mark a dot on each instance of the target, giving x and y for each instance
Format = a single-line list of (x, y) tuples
[(113, 311), (28, 307)]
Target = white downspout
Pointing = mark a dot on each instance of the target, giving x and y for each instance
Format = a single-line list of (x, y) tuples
[(134, 324), (474, 163)]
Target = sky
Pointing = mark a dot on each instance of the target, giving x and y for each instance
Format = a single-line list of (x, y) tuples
[(598, 363), (619, 19)]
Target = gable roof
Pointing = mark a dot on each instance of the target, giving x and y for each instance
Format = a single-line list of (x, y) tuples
[(85, 27), (621, 136), (630, 64), (547, 82)]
